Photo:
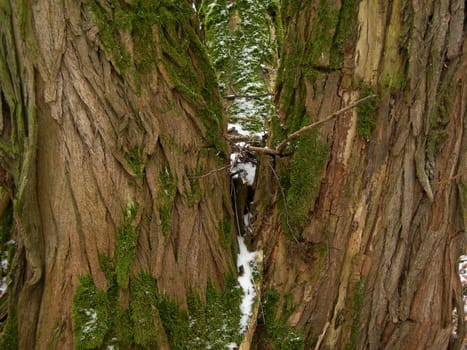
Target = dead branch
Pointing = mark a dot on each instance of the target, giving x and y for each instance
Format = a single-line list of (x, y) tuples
[(461, 173), (234, 96), (280, 148), (321, 336), (266, 150), (209, 172)]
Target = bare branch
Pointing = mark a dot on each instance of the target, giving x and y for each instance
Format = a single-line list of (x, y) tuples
[(321, 336), (266, 150), (280, 148), (234, 97), (239, 138), (209, 173)]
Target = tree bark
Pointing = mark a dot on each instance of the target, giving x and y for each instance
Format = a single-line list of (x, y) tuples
[(109, 112), (373, 198)]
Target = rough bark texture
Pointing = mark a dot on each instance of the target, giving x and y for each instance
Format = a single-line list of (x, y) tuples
[(108, 115), (369, 226)]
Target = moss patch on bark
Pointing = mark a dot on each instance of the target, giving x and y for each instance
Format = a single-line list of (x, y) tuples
[(91, 315), (125, 245), (281, 336)]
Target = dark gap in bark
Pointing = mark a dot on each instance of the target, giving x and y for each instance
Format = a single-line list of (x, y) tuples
[(6, 116)]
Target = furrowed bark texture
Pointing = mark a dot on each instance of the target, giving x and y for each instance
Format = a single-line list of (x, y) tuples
[(107, 116), (378, 218)]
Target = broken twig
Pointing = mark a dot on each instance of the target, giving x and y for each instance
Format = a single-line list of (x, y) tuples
[(280, 148)]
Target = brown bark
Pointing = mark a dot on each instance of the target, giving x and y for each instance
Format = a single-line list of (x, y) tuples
[(97, 138), (387, 212)]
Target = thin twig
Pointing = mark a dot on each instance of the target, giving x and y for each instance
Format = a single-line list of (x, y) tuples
[(321, 336), (461, 173), (233, 97), (266, 150), (233, 191), (285, 203), (299, 132), (210, 172)]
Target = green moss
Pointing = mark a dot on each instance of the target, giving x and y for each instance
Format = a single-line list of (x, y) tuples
[(317, 51), (302, 181), (226, 230), (125, 245), (137, 19), (177, 43), (345, 32), (358, 300), (462, 186), (395, 63), (321, 248), (121, 330), (136, 161), (243, 54), (55, 336), (281, 336), (165, 199), (439, 116), (9, 336), (175, 322), (211, 324), (143, 311), (91, 315), (7, 245), (366, 113)]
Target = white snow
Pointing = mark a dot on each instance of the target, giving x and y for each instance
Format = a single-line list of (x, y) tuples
[(3, 286), (90, 325), (463, 277), (246, 170), (246, 259)]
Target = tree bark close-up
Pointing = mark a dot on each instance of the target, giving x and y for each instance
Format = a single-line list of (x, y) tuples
[(120, 221), (363, 245)]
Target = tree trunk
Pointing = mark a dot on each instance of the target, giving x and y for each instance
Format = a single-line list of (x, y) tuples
[(109, 116), (361, 237)]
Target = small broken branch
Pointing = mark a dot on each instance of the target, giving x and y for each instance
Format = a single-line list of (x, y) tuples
[(266, 150), (234, 97), (280, 148), (209, 172), (321, 336)]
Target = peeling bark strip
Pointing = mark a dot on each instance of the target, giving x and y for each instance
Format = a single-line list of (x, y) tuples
[(109, 112), (377, 250)]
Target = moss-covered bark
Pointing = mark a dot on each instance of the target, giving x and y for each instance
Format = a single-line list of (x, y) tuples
[(242, 38), (377, 195), (107, 111)]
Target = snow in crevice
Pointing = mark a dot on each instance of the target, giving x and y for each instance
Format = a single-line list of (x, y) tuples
[(463, 278), (246, 263), (246, 170)]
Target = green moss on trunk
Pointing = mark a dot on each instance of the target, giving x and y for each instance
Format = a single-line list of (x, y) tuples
[(125, 245), (143, 311), (306, 168), (278, 334), (91, 315), (176, 47), (358, 300), (366, 113), (9, 336), (165, 199)]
